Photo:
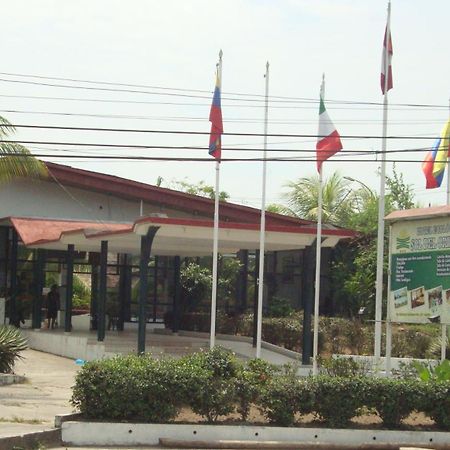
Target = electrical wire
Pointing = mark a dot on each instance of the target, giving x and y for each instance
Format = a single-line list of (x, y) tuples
[(191, 132), (273, 98), (190, 159), (226, 120)]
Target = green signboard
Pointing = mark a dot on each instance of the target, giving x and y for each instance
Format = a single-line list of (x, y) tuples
[(420, 271)]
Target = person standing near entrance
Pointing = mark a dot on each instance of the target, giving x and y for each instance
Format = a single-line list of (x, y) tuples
[(52, 306)]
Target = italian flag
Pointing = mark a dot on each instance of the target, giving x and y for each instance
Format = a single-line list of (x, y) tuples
[(328, 140)]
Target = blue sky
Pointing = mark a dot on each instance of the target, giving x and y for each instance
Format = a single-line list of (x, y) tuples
[(174, 44)]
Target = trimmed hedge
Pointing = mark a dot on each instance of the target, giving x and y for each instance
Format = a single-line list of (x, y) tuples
[(214, 384)]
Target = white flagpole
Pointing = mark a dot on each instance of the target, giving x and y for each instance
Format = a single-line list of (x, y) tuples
[(212, 338), (380, 235), (318, 258), (262, 235), (388, 319), (443, 325)]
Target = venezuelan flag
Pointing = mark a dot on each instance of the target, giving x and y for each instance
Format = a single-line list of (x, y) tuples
[(215, 117), (435, 161)]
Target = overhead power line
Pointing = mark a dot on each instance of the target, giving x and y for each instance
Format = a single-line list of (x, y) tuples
[(226, 120), (201, 133), (96, 147), (260, 97), (184, 159), (166, 103)]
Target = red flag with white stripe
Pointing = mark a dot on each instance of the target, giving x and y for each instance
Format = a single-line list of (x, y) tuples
[(328, 140)]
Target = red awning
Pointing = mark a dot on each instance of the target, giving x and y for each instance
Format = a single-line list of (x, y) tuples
[(33, 231)]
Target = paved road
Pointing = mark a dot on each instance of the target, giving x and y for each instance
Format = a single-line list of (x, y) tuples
[(32, 406)]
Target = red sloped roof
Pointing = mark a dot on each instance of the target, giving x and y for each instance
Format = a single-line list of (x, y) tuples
[(418, 213), (34, 231), (135, 190)]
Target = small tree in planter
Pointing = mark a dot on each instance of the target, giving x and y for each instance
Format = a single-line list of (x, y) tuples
[(12, 343)]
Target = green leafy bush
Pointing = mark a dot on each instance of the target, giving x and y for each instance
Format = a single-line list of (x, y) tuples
[(216, 395), (279, 307), (214, 383), (249, 382), (135, 388), (283, 397), (410, 343), (195, 284), (441, 372), (214, 399), (221, 362), (336, 399), (435, 402), (392, 399), (343, 367), (12, 343)]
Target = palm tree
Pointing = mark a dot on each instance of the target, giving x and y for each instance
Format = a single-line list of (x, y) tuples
[(338, 199), (15, 159)]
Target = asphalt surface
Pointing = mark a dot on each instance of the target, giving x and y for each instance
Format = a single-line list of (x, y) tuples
[(31, 406)]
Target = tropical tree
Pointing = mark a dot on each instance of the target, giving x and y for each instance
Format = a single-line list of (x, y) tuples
[(338, 199), (355, 262), (201, 188), (15, 159)]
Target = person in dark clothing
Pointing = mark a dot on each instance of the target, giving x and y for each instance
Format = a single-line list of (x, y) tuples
[(52, 306)]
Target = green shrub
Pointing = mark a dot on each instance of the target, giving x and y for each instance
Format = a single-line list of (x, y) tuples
[(213, 383), (12, 343), (81, 294), (195, 321), (441, 372), (337, 400), (283, 397), (250, 380), (220, 361), (132, 388), (435, 402), (227, 323), (393, 399), (195, 284), (215, 396), (410, 343), (279, 307), (343, 367)]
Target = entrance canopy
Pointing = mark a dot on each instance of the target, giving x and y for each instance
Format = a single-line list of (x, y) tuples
[(174, 236)]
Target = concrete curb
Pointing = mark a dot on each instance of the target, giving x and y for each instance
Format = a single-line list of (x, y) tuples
[(32, 440), (10, 378), (61, 418), (277, 445), (138, 434)]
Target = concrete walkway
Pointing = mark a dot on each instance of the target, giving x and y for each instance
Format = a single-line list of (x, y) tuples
[(32, 406)]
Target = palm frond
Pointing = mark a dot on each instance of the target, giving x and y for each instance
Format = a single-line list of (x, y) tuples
[(12, 343), (16, 160)]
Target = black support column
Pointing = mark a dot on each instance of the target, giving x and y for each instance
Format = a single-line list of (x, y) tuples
[(124, 290), (308, 301), (242, 281), (69, 288), (176, 294), (101, 320), (14, 316), (146, 245), (38, 284), (94, 259)]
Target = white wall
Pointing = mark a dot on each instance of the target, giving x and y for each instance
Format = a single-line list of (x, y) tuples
[(29, 198)]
